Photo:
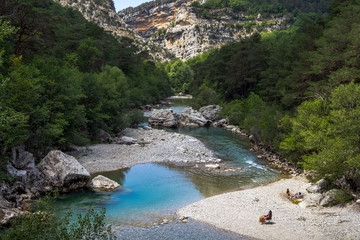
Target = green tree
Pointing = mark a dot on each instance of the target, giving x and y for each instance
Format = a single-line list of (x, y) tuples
[(180, 75), (326, 134)]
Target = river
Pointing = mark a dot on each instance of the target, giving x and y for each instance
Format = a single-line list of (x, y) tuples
[(153, 192)]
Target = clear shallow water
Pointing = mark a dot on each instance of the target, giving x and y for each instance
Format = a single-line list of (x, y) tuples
[(155, 191), (151, 193)]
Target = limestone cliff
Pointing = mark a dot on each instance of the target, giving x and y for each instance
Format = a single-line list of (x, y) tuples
[(101, 12), (173, 28), (177, 27)]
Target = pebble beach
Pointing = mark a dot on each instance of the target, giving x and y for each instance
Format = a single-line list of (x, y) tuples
[(239, 212)]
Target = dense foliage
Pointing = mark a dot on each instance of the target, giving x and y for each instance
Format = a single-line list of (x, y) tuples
[(180, 75), (64, 78), (325, 133), (40, 223), (295, 90)]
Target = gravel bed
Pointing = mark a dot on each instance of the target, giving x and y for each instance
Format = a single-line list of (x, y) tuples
[(153, 146), (239, 212)]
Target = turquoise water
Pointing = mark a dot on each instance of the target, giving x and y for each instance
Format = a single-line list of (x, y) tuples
[(154, 192)]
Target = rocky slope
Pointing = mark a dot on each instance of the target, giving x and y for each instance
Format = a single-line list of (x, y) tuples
[(179, 28), (172, 28), (101, 12)]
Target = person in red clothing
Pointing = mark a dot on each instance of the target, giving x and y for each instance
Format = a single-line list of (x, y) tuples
[(265, 217)]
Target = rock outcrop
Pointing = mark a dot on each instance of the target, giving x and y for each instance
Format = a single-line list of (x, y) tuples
[(164, 118), (191, 118), (102, 13), (211, 112), (173, 28), (103, 183), (319, 187), (179, 28), (187, 118), (56, 171)]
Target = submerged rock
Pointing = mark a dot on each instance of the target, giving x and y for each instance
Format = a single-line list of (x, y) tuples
[(103, 183)]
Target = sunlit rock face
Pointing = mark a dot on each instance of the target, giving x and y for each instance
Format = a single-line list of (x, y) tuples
[(177, 27), (101, 12), (173, 28)]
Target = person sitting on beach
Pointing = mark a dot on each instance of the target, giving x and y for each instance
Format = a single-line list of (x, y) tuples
[(265, 217), (288, 194), (296, 196)]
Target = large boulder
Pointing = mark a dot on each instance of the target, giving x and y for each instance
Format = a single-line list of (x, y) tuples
[(191, 118), (211, 112), (62, 171), (103, 183), (164, 118), (104, 136), (18, 174), (311, 200), (329, 198), (319, 187)]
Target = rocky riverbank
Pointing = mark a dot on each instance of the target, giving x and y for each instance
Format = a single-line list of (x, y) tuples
[(239, 212), (209, 116)]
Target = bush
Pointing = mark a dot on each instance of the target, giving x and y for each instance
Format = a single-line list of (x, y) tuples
[(41, 224)]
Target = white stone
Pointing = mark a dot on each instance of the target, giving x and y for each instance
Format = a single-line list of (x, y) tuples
[(104, 183), (214, 166)]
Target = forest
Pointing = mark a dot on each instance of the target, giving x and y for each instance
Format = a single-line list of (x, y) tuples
[(64, 78), (296, 91)]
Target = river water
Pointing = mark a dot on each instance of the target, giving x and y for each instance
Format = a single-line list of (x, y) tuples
[(153, 192)]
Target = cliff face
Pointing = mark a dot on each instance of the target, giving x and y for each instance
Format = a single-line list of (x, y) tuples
[(175, 26), (172, 28), (101, 12)]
